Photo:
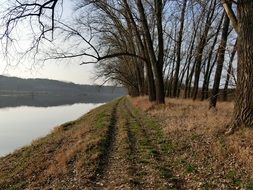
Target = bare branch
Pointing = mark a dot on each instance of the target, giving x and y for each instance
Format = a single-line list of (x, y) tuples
[(231, 14)]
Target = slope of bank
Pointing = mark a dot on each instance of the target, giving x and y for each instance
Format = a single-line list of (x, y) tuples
[(132, 144), (92, 152)]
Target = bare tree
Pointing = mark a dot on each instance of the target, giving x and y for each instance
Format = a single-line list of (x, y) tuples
[(178, 51), (209, 65), (229, 72), (201, 46), (220, 61)]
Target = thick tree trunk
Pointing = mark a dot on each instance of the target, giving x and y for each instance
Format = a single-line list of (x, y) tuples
[(143, 48), (157, 63), (160, 93), (243, 111), (187, 81), (220, 61), (151, 82)]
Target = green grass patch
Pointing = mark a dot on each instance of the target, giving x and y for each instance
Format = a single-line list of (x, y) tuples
[(191, 168), (231, 175), (208, 186), (249, 185), (19, 186)]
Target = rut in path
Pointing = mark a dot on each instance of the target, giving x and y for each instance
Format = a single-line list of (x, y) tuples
[(132, 159), (152, 136), (112, 172)]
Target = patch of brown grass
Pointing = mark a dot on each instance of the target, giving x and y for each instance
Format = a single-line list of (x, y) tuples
[(60, 158), (201, 146), (142, 103)]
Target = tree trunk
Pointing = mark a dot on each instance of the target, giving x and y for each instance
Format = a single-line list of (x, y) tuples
[(229, 71), (157, 64), (243, 111), (201, 47), (189, 82), (179, 44), (220, 61), (209, 75), (143, 48), (150, 75), (160, 94), (188, 62), (205, 87)]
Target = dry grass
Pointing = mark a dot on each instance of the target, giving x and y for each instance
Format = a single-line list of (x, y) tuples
[(201, 150), (142, 102), (188, 150), (91, 153), (60, 159)]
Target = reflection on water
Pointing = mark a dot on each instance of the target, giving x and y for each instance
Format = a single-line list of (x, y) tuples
[(20, 125), (44, 100)]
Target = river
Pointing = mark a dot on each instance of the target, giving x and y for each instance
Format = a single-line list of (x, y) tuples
[(19, 126)]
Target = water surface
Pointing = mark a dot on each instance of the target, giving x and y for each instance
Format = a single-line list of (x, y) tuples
[(19, 126)]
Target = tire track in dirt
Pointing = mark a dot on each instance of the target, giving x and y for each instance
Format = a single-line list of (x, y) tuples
[(158, 155), (131, 158), (135, 179), (112, 169), (107, 147), (148, 173)]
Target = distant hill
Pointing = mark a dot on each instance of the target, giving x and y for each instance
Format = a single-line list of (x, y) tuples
[(44, 92), (18, 85)]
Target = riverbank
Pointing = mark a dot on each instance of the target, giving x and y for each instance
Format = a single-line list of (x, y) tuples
[(179, 145)]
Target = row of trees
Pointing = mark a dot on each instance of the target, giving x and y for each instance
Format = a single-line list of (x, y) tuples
[(186, 53), (161, 48)]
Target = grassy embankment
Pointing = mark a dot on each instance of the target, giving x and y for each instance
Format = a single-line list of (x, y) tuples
[(136, 145)]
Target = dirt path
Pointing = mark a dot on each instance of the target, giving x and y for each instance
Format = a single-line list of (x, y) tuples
[(152, 157), (135, 154), (112, 147), (133, 159), (113, 169)]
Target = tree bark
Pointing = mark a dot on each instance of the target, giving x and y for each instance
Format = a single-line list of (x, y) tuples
[(160, 94), (201, 47), (157, 63), (179, 44), (205, 87), (143, 49), (190, 55), (229, 72), (243, 111), (220, 61)]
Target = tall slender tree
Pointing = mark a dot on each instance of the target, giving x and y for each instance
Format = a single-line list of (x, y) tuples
[(220, 61), (229, 72), (178, 50), (201, 46)]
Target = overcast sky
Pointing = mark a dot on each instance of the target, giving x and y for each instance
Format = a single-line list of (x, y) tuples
[(53, 70), (65, 72)]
